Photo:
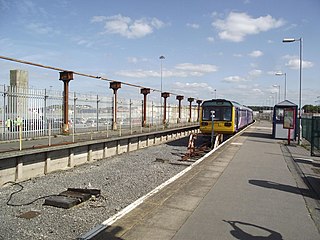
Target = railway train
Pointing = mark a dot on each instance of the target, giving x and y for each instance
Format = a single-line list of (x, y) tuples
[(229, 117)]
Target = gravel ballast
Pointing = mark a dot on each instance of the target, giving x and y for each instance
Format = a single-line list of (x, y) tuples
[(122, 180)]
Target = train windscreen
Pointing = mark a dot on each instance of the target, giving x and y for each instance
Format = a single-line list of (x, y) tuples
[(221, 113)]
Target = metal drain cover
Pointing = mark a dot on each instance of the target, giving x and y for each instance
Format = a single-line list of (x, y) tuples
[(29, 214)]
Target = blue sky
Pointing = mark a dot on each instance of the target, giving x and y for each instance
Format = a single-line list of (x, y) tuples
[(233, 46)]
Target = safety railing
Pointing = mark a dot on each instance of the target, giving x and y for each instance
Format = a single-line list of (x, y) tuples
[(40, 113)]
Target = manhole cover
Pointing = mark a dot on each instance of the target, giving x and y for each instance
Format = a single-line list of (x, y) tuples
[(29, 214)]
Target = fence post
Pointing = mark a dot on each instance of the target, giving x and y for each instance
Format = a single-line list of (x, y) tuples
[(45, 121), (152, 114), (4, 113), (74, 115), (98, 112), (49, 133), (130, 116), (312, 135)]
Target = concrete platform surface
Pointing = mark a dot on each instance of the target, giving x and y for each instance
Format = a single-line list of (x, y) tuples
[(250, 188)]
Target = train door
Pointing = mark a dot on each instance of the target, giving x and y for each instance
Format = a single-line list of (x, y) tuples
[(236, 119)]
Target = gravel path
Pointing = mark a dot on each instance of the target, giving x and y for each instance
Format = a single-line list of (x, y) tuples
[(122, 179)]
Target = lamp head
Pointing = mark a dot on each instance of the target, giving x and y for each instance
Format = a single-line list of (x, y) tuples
[(285, 40)]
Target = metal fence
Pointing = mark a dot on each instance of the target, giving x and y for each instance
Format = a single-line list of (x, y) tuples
[(311, 132), (315, 136), (40, 112)]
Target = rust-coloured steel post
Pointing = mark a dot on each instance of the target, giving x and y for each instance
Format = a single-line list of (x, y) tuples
[(190, 100), (199, 102), (145, 92), (114, 86), (165, 95), (66, 77), (179, 98)]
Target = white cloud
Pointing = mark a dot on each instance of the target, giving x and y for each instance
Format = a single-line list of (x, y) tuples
[(201, 68), (193, 25), (194, 89), (181, 70), (238, 25), (256, 53), (234, 79), (136, 60), (257, 90), (98, 19), (294, 62), (85, 43), (255, 73), (40, 28), (237, 55), (127, 27), (210, 39)]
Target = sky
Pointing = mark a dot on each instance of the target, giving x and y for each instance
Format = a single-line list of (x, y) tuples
[(212, 48)]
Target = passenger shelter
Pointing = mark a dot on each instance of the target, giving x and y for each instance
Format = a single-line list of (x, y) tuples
[(284, 118)]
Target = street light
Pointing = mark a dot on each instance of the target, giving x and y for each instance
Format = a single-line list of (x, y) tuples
[(161, 58), (278, 86), (288, 40), (285, 83)]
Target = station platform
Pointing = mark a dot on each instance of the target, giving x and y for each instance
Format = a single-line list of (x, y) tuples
[(252, 187)]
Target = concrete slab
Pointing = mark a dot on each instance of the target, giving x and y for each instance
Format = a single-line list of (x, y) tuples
[(167, 218), (198, 187), (183, 202), (147, 233), (210, 172)]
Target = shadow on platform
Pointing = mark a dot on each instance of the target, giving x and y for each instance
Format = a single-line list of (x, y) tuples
[(109, 233), (241, 231), (306, 161), (284, 187), (257, 135)]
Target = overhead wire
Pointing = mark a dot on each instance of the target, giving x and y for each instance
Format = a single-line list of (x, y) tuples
[(78, 73)]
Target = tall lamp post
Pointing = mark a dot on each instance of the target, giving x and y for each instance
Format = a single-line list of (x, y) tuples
[(285, 83), (288, 40), (278, 86), (161, 58)]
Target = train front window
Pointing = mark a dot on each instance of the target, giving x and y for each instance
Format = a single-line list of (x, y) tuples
[(221, 113)]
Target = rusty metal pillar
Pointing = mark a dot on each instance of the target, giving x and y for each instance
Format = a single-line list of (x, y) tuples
[(114, 86), (179, 98), (165, 95), (199, 102), (190, 100), (145, 92), (66, 77)]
